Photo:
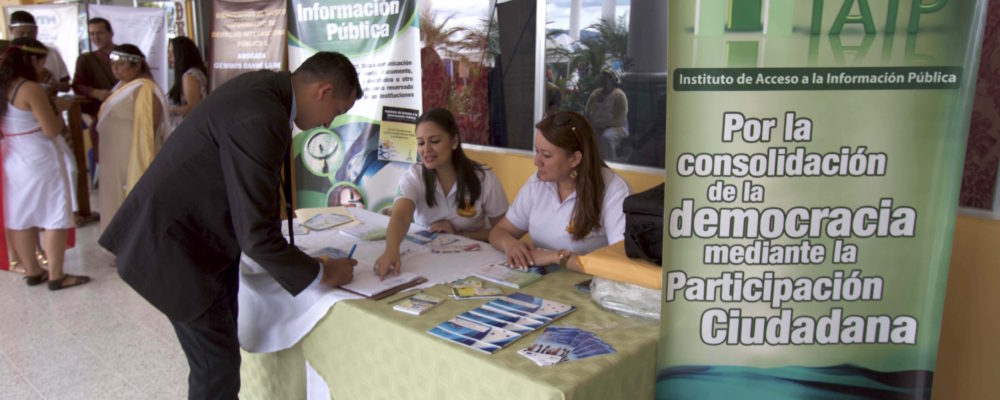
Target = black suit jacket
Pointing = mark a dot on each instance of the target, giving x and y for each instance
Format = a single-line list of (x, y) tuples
[(212, 191)]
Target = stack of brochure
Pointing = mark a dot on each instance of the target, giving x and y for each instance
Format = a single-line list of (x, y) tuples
[(474, 288), (500, 322), (446, 244), (364, 231), (323, 221), (417, 304), (501, 274), (561, 343)]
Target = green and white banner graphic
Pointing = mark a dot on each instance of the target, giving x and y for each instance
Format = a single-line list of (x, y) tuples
[(339, 165), (814, 155)]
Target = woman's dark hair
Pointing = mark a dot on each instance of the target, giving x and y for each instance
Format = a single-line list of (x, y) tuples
[(186, 56), (133, 50), (571, 132), (20, 54), (468, 188)]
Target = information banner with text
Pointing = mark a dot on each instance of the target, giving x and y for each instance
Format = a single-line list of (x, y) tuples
[(340, 165), (814, 155), (246, 36)]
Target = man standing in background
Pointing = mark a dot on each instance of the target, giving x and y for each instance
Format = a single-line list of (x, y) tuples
[(22, 24), (93, 78)]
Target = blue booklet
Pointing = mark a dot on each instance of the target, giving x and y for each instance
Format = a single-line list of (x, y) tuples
[(495, 313), (464, 341), (526, 303), (469, 316), (479, 332)]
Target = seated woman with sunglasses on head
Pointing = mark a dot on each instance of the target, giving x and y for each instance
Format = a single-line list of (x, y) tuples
[(447, 192), (572, 206)]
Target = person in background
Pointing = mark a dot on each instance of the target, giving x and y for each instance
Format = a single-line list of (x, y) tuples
[(133, 123), (572, 206), (212, 194), (55, 77), (190, 82), (36, 189), (93, 78), (607, 108), (446, 192)]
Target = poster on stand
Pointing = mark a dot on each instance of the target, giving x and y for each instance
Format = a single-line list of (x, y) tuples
[(144, 27), (340, 165), (814, 156), (246, 36), (58, 25)]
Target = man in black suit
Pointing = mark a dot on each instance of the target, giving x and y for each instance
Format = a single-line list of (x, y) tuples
[(212, 192)]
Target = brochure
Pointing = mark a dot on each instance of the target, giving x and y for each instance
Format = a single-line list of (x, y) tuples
[(297, 228), (502, 275), (501, 315), (331, 252), (535, 305), (447, 244), (568, 343), (323, 221), (422, 237), (480, 332), (474, 288), (541, 359), (464, 341), (364, 231), (468, 315), (417, 304)]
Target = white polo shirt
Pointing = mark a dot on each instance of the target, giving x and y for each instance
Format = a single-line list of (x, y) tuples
[(538, 211), (54, 63), (492, 201)]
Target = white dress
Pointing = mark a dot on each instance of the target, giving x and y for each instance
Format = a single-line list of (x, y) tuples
[(36, 182)]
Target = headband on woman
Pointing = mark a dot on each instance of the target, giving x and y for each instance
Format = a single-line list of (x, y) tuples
[(29, 49), (133, 58)]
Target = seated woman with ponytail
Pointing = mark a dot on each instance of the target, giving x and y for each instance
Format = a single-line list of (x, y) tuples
[(572, 206), (446, 192)]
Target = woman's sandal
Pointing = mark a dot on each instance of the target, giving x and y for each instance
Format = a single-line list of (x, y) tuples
[(60, 284), (35, 280), (17, 267)]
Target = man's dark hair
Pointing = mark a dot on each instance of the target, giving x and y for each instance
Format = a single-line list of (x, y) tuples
[(333, 67), (99, 20), (21, 17)]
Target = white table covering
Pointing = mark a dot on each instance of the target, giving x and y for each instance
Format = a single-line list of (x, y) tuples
[(271, 319)]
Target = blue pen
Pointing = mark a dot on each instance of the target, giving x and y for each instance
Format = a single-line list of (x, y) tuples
[(351, 254)]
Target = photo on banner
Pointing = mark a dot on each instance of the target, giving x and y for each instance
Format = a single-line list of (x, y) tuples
[(58, 25), (246, 36), (339, 165), (814, 155), (146, 28)]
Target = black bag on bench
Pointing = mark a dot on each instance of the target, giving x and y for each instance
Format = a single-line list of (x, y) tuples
[(644, 225)]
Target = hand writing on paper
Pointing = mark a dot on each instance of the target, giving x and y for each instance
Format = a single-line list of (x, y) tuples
[(337, 271), (520, 255)]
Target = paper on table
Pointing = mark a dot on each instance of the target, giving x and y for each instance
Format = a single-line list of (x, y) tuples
[(367, 284)]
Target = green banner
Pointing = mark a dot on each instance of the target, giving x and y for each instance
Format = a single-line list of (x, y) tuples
[(340, 165), (814, 155)]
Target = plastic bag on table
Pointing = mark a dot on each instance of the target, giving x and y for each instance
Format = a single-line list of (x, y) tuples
[(626, 298)]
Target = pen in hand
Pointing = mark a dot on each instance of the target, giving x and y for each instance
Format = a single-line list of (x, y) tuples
[(351, 254)]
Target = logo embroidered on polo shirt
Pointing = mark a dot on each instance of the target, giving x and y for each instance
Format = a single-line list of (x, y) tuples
[(468, 211)]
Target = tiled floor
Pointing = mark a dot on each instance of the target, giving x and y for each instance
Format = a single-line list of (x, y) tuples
[(97, 341)]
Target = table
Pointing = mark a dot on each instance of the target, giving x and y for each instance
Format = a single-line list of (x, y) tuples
[(364, 349)]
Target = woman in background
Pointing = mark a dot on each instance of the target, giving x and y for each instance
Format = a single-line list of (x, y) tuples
[(132, 123), (36, 186), (190, 82), (572, 206), (446, 192), (607, 108)]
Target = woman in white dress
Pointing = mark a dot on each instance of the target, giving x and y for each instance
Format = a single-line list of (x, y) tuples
[(132, 124), (572, 206), (36, 186), (190, 83), (446, 192)]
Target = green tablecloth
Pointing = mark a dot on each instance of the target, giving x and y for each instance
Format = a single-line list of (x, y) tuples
[(366, 350)]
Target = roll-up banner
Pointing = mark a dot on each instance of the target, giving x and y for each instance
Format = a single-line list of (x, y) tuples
[(144, 27), (814, 154), (340, 165), (246, 36), (58, 26)]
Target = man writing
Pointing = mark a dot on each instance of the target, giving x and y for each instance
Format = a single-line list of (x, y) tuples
[(213, 192), (93, 78)]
